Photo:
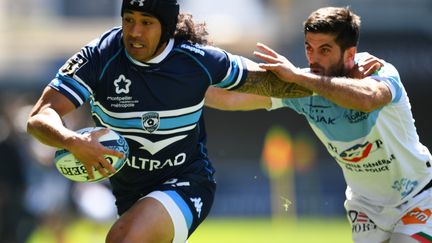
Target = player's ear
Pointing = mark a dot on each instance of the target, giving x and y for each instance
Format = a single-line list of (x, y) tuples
[(349, 53)]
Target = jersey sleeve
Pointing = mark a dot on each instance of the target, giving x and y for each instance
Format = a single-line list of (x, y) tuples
[(76, 77), (224, 70), (233, 74), (79, 76), (390, 76), (386, 74)]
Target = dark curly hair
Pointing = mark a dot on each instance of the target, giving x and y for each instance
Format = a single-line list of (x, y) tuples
[(188, 30)]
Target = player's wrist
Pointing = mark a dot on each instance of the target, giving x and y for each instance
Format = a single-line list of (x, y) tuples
[(71, 141)]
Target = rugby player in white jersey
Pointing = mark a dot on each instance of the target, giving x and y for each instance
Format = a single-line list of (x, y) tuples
[(365, 122)]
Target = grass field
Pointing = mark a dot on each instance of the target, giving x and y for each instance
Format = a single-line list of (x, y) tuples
[(267, 231), (224, 230)]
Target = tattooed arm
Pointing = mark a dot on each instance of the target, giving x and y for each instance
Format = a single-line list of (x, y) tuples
[(265, 83)]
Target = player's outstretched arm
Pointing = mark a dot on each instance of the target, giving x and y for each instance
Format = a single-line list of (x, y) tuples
[(362, 94), (223, 99), (266, 83)]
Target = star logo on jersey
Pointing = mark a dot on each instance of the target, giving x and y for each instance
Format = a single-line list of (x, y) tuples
[(150, 121), (140, 2), (122, 85)]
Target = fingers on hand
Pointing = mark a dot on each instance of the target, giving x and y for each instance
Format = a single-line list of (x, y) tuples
[(101, 170), (267, 50), (89, 172), (267, 58), (371, 69), (267, 66), (104, 168), (378, 65)]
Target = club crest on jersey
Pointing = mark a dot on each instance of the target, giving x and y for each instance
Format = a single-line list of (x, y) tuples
[(140, 2), (150, 121)]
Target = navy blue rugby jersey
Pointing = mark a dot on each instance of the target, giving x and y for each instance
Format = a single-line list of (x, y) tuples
[(157, 106)]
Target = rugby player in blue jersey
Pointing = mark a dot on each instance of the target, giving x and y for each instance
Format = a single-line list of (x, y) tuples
[(147, 80), (364, 120)]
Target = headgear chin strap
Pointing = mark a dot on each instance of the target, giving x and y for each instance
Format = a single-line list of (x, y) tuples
[(166, 11)]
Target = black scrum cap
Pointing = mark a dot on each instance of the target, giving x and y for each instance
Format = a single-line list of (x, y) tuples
[(166, 11)]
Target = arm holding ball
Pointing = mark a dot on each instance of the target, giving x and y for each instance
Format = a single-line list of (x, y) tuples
[(46, 124)]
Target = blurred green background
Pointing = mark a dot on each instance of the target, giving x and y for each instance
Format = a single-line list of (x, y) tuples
[(216, 230)]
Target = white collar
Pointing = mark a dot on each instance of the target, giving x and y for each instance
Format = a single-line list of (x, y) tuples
[(157, 59)]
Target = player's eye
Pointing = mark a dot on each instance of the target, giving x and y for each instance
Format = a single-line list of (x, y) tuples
[(325, 50), (128, 19)]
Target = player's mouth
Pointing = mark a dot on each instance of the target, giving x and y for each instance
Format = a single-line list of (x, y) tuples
[(135, 45), (317, 71), (137, 50)]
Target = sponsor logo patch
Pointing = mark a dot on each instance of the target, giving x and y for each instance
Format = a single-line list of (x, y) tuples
[(357, 153), (417, 216), (356, 116), (153, 164), (404, 186), (193, 49), (360, 222)]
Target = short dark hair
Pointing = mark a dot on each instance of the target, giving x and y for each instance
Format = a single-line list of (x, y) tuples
[(338, 21)]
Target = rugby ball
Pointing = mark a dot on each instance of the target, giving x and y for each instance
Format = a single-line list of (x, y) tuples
[(71, 168)]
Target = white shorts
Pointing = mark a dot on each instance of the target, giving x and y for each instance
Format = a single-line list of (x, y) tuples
[(375, 224), (179, 214)]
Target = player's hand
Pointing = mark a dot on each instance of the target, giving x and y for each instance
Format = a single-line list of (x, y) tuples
[(276, 63), (90, 152), (366, 67)]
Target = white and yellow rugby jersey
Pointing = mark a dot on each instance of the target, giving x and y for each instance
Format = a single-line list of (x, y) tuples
[(379, 152)]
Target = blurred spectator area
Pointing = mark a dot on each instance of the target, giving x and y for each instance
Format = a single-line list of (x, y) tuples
[(39, 35)]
